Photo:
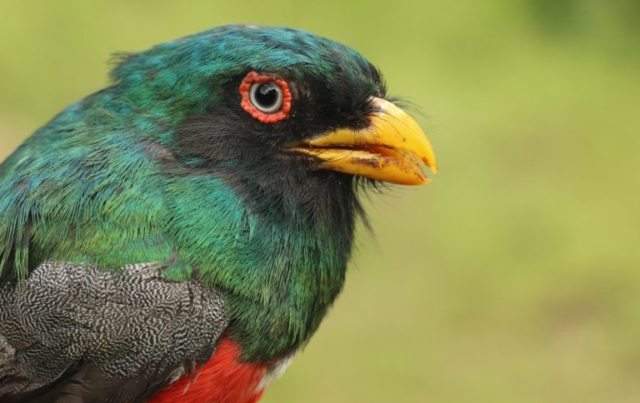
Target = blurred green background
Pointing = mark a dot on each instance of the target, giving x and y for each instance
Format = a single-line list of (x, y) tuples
[(515, 276)]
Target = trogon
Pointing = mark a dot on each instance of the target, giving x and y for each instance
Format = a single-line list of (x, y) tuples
[(179, 235)]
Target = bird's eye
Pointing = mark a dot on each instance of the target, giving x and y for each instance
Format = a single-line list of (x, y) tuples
[(264, 97)]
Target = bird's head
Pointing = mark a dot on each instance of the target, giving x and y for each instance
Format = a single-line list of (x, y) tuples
[(276, 111)]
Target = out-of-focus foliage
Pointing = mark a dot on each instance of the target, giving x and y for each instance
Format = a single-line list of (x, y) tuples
[(515, 276)]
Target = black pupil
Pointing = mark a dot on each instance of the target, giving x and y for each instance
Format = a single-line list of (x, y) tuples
[(267, 95)]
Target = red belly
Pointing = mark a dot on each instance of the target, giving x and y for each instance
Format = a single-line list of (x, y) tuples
[(223, 379)]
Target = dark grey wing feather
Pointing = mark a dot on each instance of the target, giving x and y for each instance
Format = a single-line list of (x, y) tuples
[(78, 334)]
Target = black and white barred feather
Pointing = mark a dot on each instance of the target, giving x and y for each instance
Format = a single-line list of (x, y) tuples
[(77, 333)]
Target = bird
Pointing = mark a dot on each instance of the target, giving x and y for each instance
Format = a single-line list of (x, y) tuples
[(180, 234)]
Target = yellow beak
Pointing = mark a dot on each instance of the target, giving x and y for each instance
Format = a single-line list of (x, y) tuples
[(390, 149)]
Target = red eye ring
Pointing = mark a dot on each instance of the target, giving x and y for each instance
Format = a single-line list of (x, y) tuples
[(245, 90)]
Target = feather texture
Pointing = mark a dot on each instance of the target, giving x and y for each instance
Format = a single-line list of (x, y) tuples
[(78, 330)]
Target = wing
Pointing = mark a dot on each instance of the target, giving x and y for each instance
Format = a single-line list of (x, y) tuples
[(80, 334)]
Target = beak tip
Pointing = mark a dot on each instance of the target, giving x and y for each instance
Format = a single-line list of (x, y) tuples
[(431, 163)]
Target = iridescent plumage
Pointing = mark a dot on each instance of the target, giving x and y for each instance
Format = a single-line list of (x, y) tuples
[(164, 168)]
